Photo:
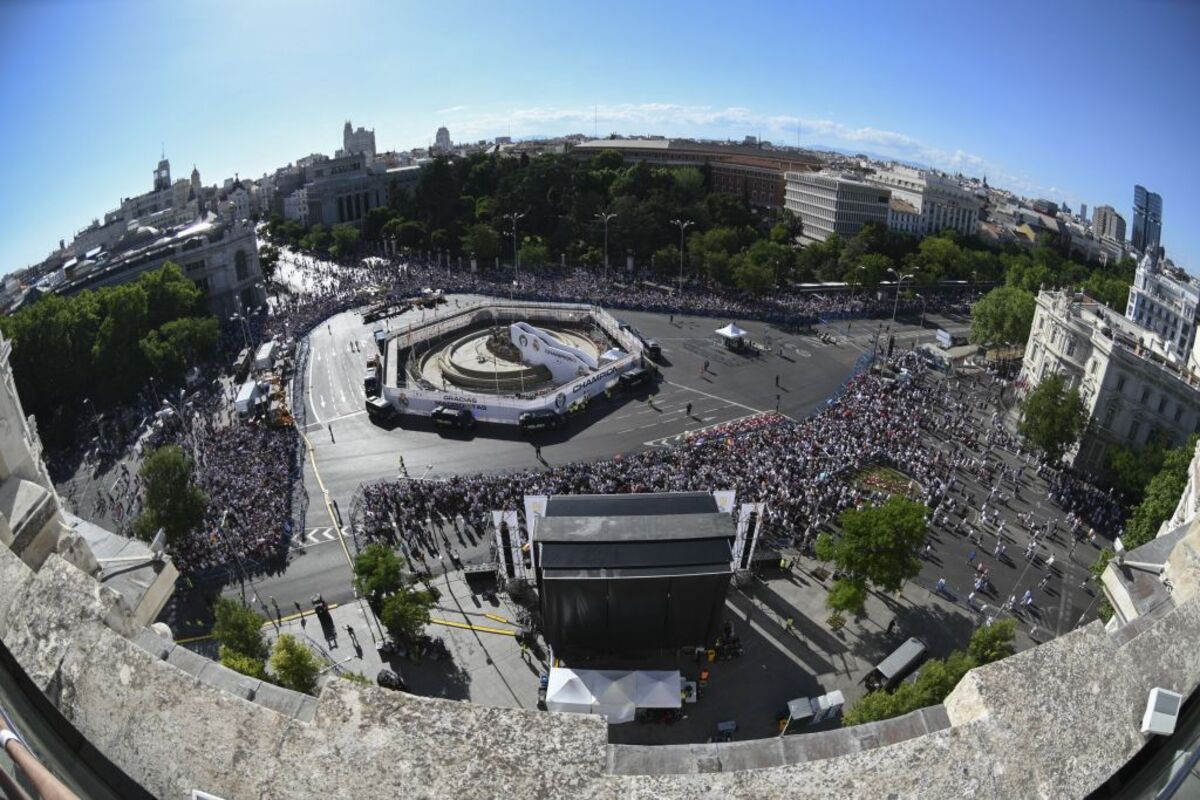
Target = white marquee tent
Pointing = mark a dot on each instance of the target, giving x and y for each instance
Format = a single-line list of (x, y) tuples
[(731, 331), (614, 694)]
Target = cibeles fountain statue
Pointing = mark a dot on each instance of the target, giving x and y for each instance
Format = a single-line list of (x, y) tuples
[(518, 358)]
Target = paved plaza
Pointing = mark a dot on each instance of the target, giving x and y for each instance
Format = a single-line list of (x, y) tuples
[(780, 616)]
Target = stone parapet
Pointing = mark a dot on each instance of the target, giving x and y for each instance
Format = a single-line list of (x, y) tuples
[(1054, 721)]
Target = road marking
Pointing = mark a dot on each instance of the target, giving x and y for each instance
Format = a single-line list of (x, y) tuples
[(314, 537), (468, 626), (312, 457), (309, 394), (716, 397)]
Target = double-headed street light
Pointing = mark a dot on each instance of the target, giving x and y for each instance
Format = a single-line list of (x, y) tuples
[(244, 325), (605, 217), (683, 225), (513, 217), (899, 280), (921, 297)]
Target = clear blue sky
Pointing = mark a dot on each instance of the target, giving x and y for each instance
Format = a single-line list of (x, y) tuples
[(1076, 101)]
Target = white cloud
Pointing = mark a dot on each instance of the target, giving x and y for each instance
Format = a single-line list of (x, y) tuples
[(735, 122), (451, 110)]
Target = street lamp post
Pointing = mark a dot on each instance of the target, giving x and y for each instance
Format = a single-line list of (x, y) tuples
[(513, 217), (857, 274), (683, 225), (899, 280), (243, 325), (605, 217), (921, 297)]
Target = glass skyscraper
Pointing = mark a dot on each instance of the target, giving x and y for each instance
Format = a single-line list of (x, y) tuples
[(1147, 219)]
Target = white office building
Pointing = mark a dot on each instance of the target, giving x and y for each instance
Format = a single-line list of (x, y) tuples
[(939, 201), (834, 202), (1132, 385), (1167, 301)]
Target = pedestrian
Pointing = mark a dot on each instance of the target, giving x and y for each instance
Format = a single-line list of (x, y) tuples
[(891, 625), (704, 369), (941, 585), (788, 623), (537, 449), (688, 410), (971, 601), (776, 402), (1045, 579), (776, 381), (971, 557), (330, 427)]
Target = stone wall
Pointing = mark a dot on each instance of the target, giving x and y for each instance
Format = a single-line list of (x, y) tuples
[(1054, 721)]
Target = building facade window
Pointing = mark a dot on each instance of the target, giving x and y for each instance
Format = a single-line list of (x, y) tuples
[(239, 265)]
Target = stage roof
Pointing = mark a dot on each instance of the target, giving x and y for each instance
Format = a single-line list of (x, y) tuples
[(625, 505), (672, 527)]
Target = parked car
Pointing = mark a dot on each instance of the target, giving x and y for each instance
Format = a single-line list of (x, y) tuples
[(542, 419), (451, 417)]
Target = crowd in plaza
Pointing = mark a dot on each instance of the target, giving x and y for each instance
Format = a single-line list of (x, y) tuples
[(247, 471), (806, 471), (328, 288)]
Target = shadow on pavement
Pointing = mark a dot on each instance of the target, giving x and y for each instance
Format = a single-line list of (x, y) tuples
[(808, 628), (797, 645)]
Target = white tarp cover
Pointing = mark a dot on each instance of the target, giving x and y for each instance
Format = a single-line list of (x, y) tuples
[(613, 690), (566, 691), (731, 331), (614, 694), (658, 689)]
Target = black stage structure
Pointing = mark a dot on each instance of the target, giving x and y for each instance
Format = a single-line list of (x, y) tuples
[(632, 574)]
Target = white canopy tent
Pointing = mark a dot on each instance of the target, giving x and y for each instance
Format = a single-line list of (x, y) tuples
[(658, 689), (568, 692), (731, 331), (614, 694)]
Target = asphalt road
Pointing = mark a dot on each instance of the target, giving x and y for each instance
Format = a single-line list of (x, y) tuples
[(350, 450)]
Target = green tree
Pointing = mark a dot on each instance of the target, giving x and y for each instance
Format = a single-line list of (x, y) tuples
[(847, 595), (1003, 316), (1162, 496), (345, 240), (240, 662), (1052, 417), (268, 260), (483, 241), (239, 630), (293, 665), (172, 502), (993, 642), (760, 266), (173, 347), (878, 545), (666, 261), (1130, 471), (377, 571), (534, 252), (406, 613), (317, 238)]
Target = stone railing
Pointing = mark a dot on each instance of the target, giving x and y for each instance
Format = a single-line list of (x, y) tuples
[(1053, 721)]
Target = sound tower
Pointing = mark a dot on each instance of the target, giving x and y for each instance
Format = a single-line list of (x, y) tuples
[(506, 553), (751, 537)]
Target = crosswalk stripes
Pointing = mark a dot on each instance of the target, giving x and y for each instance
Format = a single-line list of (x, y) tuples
[(314, 536)]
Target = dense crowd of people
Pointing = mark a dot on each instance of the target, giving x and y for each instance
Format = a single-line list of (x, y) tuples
[(807, 472), (247, 470), (319, 289)]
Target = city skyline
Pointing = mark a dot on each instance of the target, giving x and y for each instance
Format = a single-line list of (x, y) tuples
[(247, 92)]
